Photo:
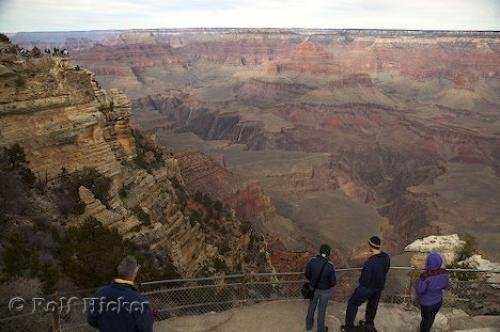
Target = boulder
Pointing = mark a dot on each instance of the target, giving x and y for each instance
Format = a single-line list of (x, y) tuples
[(479, 263), (447, 245)]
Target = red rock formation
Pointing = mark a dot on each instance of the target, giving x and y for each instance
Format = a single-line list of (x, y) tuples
[(307, 57), (250, 201), (205, 175)]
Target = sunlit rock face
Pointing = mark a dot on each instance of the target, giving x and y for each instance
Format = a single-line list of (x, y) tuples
[(349, 133), (448, 246)]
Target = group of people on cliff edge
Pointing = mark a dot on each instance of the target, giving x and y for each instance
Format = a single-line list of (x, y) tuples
[(320, 272), (120, 307)]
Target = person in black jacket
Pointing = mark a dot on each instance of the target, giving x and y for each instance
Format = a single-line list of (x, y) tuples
[(320, 272), (371, 284), (119, 306)]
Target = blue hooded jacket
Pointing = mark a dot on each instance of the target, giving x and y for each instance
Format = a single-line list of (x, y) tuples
[(431, 283), (120, 307)]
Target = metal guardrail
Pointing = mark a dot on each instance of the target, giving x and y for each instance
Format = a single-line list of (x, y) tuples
[(471, 290)]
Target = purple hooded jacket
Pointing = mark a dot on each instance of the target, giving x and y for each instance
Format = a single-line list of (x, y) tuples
[(431, 283)]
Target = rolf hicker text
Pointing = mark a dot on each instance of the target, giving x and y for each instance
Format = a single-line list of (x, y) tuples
[(68, 304)]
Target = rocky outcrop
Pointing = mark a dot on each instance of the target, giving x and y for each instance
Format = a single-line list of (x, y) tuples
[(68, 115), (479, 263), (447, 245)]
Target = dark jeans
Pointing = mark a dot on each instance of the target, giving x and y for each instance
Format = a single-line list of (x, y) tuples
[(360, 295), (428, 313), (320, 300)]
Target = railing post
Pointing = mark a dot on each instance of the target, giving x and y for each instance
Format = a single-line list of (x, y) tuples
[(412, 276), (244, 288), (56, 314)]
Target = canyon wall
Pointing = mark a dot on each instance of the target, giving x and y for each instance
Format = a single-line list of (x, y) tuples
[(65, 122), (348, 132)]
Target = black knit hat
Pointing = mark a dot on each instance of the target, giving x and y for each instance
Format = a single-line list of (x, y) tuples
[(374, 242), (325, 249)]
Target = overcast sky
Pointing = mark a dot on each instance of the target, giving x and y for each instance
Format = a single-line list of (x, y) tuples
[(59, 15)]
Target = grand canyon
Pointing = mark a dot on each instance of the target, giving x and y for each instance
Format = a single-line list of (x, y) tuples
[(315, 135)]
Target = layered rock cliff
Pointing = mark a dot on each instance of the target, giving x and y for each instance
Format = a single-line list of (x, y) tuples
[(65, 122)]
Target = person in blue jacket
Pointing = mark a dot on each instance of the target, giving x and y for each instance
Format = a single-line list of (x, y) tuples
[(371, 285), (429, 289), (320, 272), (119, 307)]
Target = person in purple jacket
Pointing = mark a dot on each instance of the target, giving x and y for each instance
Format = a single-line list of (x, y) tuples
[(430, 290)]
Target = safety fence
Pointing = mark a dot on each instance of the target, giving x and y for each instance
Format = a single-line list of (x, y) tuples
[(471, 290)]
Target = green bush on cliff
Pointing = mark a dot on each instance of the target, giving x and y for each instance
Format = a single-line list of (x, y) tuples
[(23, 248), (469, 248), (18, 254), (13, 160), (20, 257), (149, 156), (14, 195), (143, 217), (93, 263), (14, 156), (245, 226), (67, 191)]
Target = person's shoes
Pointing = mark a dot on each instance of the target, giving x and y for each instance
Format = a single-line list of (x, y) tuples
[(367, 326)]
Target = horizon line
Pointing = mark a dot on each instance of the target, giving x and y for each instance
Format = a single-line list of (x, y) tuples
[(253, 28)]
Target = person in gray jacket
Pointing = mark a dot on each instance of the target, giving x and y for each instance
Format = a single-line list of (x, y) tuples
[(320, 272)]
